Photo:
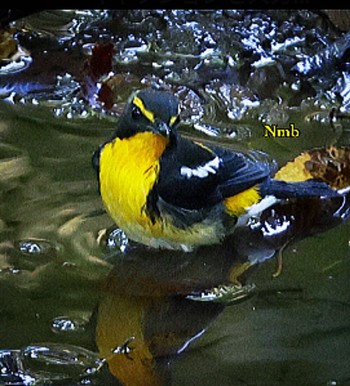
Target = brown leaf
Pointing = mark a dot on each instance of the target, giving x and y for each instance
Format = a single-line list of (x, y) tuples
[(98, 65), (331, 165), (100, 62), (117, 88), (8, 45)]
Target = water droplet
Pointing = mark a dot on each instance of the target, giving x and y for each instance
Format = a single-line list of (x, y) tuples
[(117, 239), (226, 294), (11, 369), (63, 324), (86, 381), (53, 361), (332, 383), (38, 247), (16, 65), (207, 129), (29, 247), (14, 270)]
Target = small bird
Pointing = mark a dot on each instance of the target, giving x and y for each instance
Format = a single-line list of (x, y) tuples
[(166, 191)]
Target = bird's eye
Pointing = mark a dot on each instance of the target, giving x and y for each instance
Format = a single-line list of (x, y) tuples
[(136, 112)]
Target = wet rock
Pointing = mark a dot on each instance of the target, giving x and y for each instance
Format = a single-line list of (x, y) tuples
[(339, 17)]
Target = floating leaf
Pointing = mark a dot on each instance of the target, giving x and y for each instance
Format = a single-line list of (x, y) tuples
[(117, 88), (98, 65), (8, 45), (331, 165), (100, 62)]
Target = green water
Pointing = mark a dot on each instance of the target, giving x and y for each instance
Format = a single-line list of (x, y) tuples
[(295, 329), (55, 266)]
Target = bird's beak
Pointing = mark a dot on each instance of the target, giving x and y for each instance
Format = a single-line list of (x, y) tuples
[(161, 128)]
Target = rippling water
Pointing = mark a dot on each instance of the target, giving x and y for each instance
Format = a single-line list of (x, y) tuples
[(74, 307)]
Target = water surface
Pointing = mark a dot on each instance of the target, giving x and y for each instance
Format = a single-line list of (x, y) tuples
[(65, 281)]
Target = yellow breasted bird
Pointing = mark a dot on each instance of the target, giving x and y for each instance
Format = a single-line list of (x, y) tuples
[(166, 191)]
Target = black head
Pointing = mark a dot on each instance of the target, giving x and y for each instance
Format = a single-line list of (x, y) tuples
[(149, 110)]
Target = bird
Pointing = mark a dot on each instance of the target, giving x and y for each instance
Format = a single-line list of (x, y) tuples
[(167, 191)]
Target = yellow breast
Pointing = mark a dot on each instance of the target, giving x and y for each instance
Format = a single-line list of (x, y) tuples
[(129, 168), (128, 171)]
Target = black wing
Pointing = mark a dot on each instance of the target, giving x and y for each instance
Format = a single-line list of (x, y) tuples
[(194, 176)]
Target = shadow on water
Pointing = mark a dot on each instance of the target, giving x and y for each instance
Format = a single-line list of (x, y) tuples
[(82, 305)]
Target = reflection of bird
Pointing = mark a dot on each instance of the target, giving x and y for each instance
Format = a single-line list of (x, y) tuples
[(166, 191)]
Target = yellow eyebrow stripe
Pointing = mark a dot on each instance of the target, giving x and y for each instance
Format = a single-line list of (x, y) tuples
[(172, 120), (147, 113)]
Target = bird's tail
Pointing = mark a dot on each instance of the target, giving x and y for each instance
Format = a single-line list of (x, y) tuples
[(323, 172), (310, 188)]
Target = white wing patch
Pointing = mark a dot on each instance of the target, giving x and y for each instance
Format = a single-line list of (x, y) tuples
[(202, 171)]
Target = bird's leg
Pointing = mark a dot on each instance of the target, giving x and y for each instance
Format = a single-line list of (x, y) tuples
[(280, 260), (237, 271)]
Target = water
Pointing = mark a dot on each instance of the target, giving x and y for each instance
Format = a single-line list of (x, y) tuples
[(80, 304)]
